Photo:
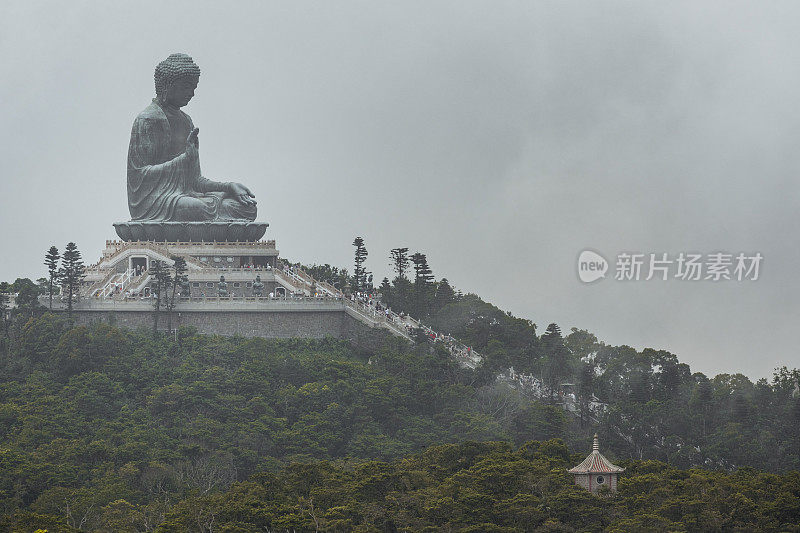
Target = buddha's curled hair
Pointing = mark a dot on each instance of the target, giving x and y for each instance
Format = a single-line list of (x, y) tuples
[(174, 67)]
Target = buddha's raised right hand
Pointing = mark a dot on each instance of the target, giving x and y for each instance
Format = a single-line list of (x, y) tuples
[(193, 144)]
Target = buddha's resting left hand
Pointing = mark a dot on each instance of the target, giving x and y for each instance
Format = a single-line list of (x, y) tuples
[(241, 193)]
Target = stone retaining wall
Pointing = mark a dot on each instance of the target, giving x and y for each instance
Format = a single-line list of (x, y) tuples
[(281, 324)]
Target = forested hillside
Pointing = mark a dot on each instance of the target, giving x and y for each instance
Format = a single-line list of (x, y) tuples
[(89, 416), (655, 406), (104, 429)]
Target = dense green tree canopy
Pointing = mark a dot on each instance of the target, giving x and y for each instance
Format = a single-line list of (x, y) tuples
[(103, 429)]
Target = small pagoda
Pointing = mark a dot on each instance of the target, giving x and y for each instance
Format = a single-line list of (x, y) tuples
[(596, 471)]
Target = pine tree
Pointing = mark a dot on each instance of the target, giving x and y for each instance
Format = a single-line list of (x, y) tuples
[(159, 272), (552, 334), (423, 277), (71, 274), (51, 262), (359, 276), (444, 295), (557, 358), (179, 269), (400, 261), (422, 272)]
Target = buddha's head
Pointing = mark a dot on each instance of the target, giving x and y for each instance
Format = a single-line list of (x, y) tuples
[(176, 79)]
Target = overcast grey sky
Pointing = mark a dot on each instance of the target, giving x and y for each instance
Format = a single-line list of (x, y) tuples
[(499, 138)]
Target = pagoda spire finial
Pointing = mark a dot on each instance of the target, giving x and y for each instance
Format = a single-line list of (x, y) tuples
[(596, 443)]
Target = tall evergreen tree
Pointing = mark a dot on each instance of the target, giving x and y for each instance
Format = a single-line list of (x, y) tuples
[(552, 334), (359, 276), (161, 275), (71, 274), (179, 275), (423, 278), (444, 295), (400, 261), (422, 272), (557, 365), (51, 262)]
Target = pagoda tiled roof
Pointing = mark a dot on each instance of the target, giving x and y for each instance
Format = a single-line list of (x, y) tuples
[(595, 463)]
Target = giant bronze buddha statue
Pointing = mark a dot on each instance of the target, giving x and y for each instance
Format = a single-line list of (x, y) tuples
[(168, 197)]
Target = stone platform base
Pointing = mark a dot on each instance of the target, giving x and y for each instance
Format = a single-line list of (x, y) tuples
[(191, 231), (278, 321)]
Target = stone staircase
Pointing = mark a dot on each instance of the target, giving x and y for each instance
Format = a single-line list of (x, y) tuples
[(95, 288), (116, 282), (303, 282)]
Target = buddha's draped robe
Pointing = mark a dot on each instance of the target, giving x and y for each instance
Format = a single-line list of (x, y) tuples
[(164, 183)]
